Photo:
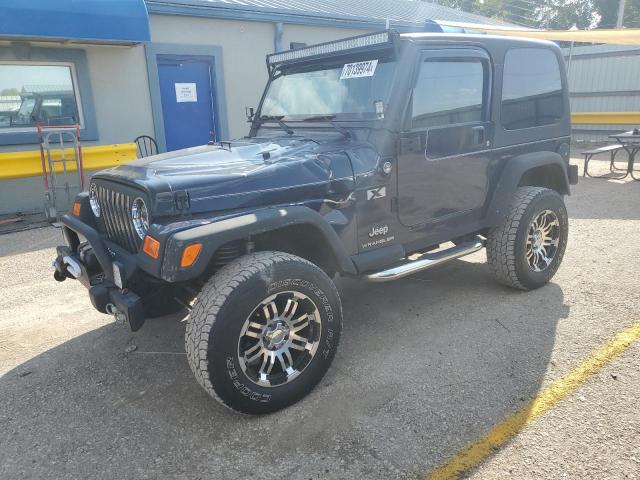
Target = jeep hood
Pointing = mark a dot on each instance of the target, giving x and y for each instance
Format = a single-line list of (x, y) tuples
[(242, 174)]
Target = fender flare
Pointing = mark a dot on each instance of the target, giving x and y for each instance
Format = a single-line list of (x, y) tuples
[(216, 234), (511, 176)]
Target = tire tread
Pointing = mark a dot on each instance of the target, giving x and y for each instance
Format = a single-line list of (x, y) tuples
[(211, 299), (501, 240)]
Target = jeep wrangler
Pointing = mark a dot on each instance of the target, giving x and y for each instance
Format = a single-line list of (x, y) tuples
[(376, 156)]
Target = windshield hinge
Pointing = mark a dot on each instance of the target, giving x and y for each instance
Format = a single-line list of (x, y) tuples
[(182, 200), (394, 204)]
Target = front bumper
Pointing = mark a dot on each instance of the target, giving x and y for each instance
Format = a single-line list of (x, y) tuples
[(93, 264), (106, 252)]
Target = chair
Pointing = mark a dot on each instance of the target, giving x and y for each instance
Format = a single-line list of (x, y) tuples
[(145, 146)]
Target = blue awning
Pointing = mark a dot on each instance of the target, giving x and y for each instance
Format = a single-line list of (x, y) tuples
[(96, 21)]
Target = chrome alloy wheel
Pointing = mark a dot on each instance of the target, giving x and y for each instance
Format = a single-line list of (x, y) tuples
[(279, 338), (543, 238)]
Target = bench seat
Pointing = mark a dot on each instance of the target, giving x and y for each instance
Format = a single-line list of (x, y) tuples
[(612, 150)]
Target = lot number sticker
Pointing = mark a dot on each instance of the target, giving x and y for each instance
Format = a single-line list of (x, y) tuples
[(186, 92), (359, 69)]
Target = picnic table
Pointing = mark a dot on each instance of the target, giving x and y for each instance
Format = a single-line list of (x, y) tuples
[(630, 141)]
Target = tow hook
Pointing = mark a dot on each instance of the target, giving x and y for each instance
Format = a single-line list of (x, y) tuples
[(58, 275), (66, 267), (118, 316)]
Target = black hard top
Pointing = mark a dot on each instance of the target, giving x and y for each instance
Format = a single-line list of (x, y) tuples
[(489, 41)]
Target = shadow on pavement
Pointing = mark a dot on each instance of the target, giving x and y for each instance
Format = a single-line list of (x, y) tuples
[(426, 365), (19, 242), (601, 198)]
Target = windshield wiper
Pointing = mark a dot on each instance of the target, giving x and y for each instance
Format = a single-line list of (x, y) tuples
[(328, 118), (278, 120)]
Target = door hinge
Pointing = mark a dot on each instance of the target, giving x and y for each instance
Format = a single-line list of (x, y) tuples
[(182, 200)]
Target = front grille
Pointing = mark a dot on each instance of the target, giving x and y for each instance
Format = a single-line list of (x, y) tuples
[(115, 208)]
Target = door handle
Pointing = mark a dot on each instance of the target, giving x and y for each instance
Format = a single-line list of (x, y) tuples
[(478, 135)]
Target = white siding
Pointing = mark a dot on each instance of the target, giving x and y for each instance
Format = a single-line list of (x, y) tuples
[(603, 78), (120, 93)]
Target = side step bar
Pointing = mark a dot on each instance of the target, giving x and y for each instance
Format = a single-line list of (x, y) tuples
[(426, 261)]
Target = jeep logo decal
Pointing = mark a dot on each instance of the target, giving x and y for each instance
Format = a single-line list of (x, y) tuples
[(375, 231)]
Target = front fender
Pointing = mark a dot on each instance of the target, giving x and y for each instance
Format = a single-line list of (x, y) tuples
[(216, 234), (513, 172)]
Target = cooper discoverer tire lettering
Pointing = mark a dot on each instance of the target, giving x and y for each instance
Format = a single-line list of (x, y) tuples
[(263, 331)]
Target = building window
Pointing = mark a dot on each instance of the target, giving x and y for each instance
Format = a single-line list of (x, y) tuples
[(38, 92), (531, 88), (448, 92)]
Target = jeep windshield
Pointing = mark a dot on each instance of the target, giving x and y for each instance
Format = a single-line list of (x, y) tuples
[(341, 91)]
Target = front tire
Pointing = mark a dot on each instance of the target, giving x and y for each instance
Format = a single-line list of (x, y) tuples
[(263, 331), (526, 249)]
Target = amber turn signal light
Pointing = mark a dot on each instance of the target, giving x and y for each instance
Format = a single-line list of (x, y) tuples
[(76, 209), (190, 254), (151, 247)]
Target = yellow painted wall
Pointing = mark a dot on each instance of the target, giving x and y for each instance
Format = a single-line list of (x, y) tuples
[(605, 118), (28, 163)]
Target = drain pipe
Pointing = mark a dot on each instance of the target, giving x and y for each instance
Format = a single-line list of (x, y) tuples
[(277, 37)]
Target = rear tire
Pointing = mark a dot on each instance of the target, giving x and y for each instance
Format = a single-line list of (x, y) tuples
[(263, 331), (526, 249)]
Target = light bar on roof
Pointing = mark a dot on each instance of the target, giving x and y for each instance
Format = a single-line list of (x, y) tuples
[(379, 38)]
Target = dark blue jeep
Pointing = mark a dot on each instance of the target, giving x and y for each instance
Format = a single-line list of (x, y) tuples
[(377, 156)]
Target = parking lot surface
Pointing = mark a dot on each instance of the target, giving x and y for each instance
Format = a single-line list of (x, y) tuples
[(427, 365)]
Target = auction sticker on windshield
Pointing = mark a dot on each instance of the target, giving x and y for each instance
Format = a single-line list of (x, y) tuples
[(359, 69)]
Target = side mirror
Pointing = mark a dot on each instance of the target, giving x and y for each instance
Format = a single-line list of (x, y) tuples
[(250, 113)]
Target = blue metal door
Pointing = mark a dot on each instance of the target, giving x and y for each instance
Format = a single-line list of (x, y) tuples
[(188, 101)]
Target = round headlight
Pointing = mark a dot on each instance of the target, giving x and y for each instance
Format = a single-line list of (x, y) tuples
[(93, 199), (140, 217)]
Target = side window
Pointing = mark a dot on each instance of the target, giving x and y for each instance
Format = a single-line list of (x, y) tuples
[(531, 89), (448, 92)]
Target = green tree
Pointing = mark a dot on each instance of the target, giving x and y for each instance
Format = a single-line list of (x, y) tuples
[(563, 14), (556, 14), (9, 92), (608, 11), (631, 14)]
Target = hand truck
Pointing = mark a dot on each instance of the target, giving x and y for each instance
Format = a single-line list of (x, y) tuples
[(61, 172)]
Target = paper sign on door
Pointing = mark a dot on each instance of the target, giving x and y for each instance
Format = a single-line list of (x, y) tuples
[(186, 92)]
